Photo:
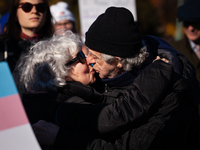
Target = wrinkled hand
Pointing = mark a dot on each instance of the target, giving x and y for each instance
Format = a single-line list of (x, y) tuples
[(45, 132), (163, 59)]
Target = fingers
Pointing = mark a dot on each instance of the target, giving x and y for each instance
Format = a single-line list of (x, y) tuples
[(157, 58), (163, 59)]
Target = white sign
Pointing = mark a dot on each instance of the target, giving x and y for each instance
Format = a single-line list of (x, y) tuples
[(91, 9)]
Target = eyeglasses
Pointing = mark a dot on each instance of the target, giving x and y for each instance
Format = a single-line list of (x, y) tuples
[(27, 7), (80, 57)]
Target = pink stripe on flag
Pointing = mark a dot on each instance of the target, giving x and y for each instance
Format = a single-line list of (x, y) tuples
[(12, 112)]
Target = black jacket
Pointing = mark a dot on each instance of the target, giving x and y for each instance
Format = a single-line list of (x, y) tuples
[(14, 49), (152, 114), (41, 106), (110, 121)]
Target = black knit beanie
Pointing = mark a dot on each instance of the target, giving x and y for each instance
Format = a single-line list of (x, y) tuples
[(115, 33)]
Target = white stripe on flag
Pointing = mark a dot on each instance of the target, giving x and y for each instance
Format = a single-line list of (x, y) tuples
[(18, 138)]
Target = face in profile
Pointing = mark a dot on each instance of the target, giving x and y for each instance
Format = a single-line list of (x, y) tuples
[(104, 69), (31, 15), (80, 70)]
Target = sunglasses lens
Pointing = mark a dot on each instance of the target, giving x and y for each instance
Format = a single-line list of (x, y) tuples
[(27, 7), (81, 57), (41, 7)]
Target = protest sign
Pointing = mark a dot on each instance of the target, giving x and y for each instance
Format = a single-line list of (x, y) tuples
[(89, 10)]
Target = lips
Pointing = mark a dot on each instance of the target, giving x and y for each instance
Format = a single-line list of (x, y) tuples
[(34, 18), (92, 70)]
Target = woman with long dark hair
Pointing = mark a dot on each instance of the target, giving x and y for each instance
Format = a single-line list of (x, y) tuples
[(29, 21)]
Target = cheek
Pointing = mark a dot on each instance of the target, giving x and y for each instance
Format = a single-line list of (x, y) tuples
[(82, 71), (43, 19), (56, 27), (185, 30), (69, 26), (98, 65), (102, 66), (86, 76), (20, 17)]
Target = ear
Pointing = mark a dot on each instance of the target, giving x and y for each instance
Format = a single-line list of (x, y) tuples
[(119, 63)]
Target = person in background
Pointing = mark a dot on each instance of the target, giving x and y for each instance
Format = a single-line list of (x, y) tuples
[(189, 14), (63, 17), (29, 21)]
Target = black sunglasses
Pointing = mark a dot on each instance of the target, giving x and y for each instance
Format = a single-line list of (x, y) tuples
[(80, 57), (27, 7)]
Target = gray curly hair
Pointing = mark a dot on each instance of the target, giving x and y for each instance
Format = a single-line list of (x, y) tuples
[(43, 67), (129, 63)]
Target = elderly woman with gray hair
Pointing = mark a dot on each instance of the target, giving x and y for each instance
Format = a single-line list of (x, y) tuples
[(49, 67)]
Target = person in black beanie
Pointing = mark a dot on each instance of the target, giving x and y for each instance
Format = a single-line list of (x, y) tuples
[(121, 55), (115, 43)]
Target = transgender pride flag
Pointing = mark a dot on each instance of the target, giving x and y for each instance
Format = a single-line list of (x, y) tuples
[(15, 130)]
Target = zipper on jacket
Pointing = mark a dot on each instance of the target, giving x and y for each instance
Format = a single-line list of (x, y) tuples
[(106, 88)]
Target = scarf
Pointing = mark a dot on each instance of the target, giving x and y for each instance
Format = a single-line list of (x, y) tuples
[(26, 37)]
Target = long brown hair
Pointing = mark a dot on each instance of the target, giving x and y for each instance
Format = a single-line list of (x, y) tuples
[(13, 28)]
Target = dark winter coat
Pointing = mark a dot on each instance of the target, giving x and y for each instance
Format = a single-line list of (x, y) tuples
[(184, 47), (77, 114), (147, 116), (40, 106), (14, 49)]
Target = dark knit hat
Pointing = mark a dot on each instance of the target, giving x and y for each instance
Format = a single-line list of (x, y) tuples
[(115, 33), (189, 11)]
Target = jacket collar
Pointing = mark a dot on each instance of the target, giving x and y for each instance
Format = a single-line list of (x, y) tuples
[(128, 77), (121, 80)]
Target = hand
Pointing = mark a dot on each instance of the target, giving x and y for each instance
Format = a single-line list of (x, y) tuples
[(45, 132), (163, 59)]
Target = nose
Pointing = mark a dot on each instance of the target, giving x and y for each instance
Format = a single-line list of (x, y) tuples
[(34, 10), (190, 27), (63, 26), (90, 60)]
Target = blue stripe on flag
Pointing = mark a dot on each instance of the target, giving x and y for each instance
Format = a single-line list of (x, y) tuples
[(7, 84)]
